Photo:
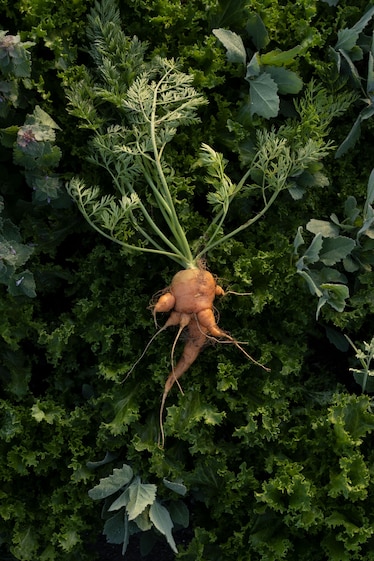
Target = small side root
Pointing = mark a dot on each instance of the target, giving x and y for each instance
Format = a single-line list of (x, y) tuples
[(144, 352)]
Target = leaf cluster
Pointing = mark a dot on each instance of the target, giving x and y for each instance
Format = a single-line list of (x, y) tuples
[(136, 507), (347, 243)]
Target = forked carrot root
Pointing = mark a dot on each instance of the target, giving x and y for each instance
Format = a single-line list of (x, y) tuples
[(189, 299)]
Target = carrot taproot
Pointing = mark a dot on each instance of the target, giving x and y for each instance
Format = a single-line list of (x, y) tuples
[(189, 299)]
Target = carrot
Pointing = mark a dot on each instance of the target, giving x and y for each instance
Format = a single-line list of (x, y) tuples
[(189, 299)]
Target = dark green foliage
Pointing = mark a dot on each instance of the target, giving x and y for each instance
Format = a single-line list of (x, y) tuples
[(277, 465)]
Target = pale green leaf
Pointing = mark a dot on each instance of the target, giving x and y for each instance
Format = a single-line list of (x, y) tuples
[(264, 100), (120, 502), (140, 495), (299, 240), (111, 484), (176, 487), (335, 295), (143, 521), (370, 189), (311, 255), (335, 249), (253, 68), (314, 289), (161, 519), (326, 229), (233, 43)]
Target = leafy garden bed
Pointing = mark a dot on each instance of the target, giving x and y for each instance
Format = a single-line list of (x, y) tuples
[(140, 138)]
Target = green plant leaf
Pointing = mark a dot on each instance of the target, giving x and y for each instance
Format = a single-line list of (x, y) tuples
[(140, 495), (257, 31), (160, 517), (314, 289), (111, 484), (347, 39), (326, 229), (233, 43), (311, 255), (279, 58), (370, 189), (264, 99), (333, 294), (179, 513), (364, 379), (115, 528), (288, 82), (335, 249), (176, 487)]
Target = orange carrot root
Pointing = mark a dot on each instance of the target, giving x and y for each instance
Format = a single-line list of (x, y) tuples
[(192, 348), (189, 299)]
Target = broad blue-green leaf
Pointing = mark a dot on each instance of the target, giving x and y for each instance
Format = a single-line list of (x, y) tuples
[(350, 209), (233, 43), (175, 486), (264, 100), (335, 249), (257, 31), (370, 76), (23, 283), (336, 295), (362, 23), (323, 227), (331, 2), (355, 131), (115, 528), (143, 521), (370, 189), (347, 63), (109, 457), (160, 517), (120, 502), (299, 240), (140, 495), (288, 82), (366, 228), (314, 289), (253, 68), (364, 379), (337, 339), (311, 255), (179, 513), (347, 39), (111, 484)]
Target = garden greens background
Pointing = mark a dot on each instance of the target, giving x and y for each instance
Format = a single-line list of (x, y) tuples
[(277, 465)]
